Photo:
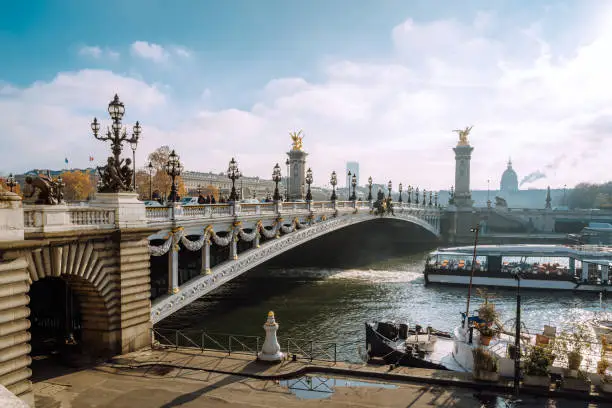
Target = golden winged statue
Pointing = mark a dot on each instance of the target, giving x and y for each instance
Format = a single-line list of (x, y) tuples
[(297, 139), (463, 134)]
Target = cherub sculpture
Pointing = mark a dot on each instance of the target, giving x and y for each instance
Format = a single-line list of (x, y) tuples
[(297, 139)]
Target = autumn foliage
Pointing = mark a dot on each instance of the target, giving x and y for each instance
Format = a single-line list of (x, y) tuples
[(78, 185), (3, 186)]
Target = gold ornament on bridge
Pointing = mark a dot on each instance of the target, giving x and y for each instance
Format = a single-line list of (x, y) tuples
[(297, 140), (463, 135)]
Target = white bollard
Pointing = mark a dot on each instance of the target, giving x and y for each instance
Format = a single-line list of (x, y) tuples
[(270, 350)]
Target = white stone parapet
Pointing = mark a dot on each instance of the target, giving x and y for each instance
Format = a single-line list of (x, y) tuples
[(54, 218), (129, 211), (11, 217), (270, 351)]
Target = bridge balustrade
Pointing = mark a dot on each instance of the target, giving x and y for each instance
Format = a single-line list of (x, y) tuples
[(61, 217)]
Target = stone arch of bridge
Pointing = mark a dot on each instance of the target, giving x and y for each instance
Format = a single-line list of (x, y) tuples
[(201, 285), (89, 276)]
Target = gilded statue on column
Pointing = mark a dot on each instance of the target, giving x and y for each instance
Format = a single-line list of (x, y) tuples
[(463, 135), (297, 140)]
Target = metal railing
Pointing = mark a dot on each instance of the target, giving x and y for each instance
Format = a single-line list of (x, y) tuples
[(312, 350)]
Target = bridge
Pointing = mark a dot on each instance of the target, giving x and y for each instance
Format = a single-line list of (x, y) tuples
[(111, 253)]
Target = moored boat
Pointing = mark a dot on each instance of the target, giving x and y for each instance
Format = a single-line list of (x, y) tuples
[(542, 266)]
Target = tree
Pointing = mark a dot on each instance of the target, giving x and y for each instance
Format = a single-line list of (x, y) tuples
[(211, 190), (78, 185), (587, 196)]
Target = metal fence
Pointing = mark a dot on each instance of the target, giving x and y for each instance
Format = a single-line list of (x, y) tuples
[(312, 350)]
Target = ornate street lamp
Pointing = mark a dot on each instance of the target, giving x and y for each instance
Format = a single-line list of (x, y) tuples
[(309, 182), (348, 185), (409, 194), (150, 180), (233, 173), (354, 184), (333, 181), (116, 176), (173, 169), (430, 197), (436, 199), (276, 177), (370, 188), (400, 192), (389, 186), (134, 145), (424, 197), (416, 196), (11, 182), (287, 163)]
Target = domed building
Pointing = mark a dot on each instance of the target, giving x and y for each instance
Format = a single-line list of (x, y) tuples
[(509, 180)]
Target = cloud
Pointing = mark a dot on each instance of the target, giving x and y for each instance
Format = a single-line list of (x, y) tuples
[(154, 52), (528, 96), (158, 53), (98, 53)]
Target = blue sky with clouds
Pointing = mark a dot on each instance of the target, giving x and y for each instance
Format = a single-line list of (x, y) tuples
[(381, 82)]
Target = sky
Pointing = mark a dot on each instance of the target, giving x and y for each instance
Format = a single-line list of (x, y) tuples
[(382, 83)]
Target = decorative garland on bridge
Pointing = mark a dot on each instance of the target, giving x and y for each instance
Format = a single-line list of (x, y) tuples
[(236, 233)]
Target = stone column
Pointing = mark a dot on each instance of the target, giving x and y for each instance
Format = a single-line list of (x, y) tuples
[(463, 156), (173, 280), (206, 257), (297, 176), (11, 217), (234, 244)]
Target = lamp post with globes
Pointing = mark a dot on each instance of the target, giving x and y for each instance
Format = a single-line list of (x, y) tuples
[(288, 164), (389, 186), (309, 182), (409, 193), (233, 173), (416, 196), (348, 185), (112, 182), (11, 183), (276, 177), (424, 197), (150, 167), (370, 188), (400, 187), (174, 168), (333, 181), (354, 184), (134, 146)]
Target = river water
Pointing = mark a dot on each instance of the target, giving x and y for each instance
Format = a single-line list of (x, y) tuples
[(333, 304)]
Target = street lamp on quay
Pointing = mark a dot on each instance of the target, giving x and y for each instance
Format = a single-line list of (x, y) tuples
[(333, 181), (11, 182), (400, 187), (518, 275), (309, 182), (389, 186), (276, 177), (475, 231), (354, 184), (174, 168), (116, 134), (233, 173), (150, 167), (370, 188)]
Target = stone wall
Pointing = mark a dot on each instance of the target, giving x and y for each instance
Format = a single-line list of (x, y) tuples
[(14, 324)]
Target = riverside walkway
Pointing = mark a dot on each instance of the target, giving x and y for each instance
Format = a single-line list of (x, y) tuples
[(185, 377)]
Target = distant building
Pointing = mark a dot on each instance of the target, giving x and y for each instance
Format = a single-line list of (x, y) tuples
[(515, 198), (353, 167), (246, 187)]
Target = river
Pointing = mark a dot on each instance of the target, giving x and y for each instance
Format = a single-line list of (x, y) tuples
[(333, 304)]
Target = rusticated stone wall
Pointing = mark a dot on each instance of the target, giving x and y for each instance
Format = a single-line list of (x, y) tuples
[(14, 324)]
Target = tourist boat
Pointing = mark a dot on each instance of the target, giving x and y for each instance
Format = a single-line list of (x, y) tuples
[(392, 343), (560, 267)]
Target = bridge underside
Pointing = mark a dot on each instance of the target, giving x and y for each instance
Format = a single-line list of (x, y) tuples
[(296, 234)]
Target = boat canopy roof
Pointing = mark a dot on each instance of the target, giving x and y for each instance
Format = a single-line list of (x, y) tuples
[(603, 262), (528, 250)]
